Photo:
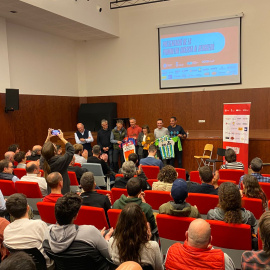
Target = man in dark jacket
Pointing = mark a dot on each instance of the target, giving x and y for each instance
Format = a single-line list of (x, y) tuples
[(78, 170)]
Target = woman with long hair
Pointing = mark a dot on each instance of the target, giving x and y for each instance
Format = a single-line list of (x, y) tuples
[(229, 208), (166, 176), (252, 189), (131, 240), (145, 139), (51, 162)]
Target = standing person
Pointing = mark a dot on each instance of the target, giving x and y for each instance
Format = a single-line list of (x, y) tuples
[(117, 136), (145, 139), (176, 131), (133, 131), (104, 141), (84, 137), (53, 163)]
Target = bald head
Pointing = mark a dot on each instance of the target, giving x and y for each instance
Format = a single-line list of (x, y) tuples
[(32, 167), (129, 266), (10, 156), (199, 233), (37, 148), (54, 179), (80, 127)]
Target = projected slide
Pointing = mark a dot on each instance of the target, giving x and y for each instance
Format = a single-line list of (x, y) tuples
[(209, 56)]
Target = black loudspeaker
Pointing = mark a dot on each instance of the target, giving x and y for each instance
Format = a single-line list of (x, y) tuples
[(91, 114), (12, 100)]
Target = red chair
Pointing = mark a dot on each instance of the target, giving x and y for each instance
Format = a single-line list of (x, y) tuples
[(151, 172), (73, 181), (254, 206), (156, 198), (117, 192), (105, 192), (266, 175), (204, 202), (46, 212), (113, 215), (7, 187), (31, 190), (181, 173), (95, 216), (151, 181), (77, 164), (15, 163), (119, 175), (220, 181), (231, 174), (195, 177), (42, 173), (27, 161), (19, 172), (266, 188)]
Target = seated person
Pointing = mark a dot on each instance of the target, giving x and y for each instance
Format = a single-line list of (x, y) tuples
[(231, 163), (81, 154), (78, 170), (55, 182), (10, 156), (230, 209), (21, 159), (90, 197), (33, 174), (24, 232), (166, 177), (259, 259), (256, 165), (209, 182), (134, 189), (178, 207), (14, 148), (128, 170), (151, 160), (58, 149), (35, 153), (197, 252), (6, 170), (60, 237)]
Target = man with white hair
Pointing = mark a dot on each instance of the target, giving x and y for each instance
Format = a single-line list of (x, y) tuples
[(35, 153), (84, 137), (197, 252)]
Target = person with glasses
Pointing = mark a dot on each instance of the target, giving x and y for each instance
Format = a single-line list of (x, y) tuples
[(6, 170)]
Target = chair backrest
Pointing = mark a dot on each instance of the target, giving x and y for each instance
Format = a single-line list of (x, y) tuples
[(42, 173), (105, 192), (266, 188), (208, 147), (151, 181), (113, 215), (46, 212), (195, 177), (95, 216), (119, 175), (73, 179), (181, 173), (19, 172), (117, 192), (29, 189), (229, 174), (221, 152), (266, 175), (96, 169), (15, 163), (220, 181), (77, 164), (7, 187), (156, 198), (151, 172), (204, 202), (254, 206)]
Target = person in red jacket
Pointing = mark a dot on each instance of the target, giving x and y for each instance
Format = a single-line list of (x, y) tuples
[(197, 252)]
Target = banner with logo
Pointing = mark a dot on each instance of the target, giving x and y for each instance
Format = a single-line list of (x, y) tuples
[(236, 118)]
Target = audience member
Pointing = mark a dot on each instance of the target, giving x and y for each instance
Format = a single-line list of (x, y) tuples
[(55, 182), (145, 139), (129, 265), (90, 197), (151, 160), (33, 174), (128, 170), (3, 224), (6, 170), (35, 153), (135, 194), (78, 170), (84, 137), (10, 156), (197, 252), (230, 209), (58, 149), (166, 177), (259, 259), (24, 232), (21, 159), (252, 189), (256, 166), (104, 141), (132, 225), (209, 182), (14, 148), (81, 154), (179, 207), (117, 136), (61, 236), (54, 163), (231, 163), (2, 205)]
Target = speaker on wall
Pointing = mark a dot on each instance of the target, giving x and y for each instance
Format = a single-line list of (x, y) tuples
[(12, 100), (91, 114)]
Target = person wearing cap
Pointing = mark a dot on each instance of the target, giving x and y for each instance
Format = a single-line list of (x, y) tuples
[(179, 207)]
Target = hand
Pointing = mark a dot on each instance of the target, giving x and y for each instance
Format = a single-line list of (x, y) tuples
[(119, 142), (49, 134), (180, 135), (85, 154), (149, 233), (60, 135), (82, 140), (28, 153), (104, 148), (241, 193), (140, 170), (141, 196), (109, 196), (107, 148), (104, 157)]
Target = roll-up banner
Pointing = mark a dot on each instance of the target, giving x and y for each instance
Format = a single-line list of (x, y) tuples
[(236, 130)]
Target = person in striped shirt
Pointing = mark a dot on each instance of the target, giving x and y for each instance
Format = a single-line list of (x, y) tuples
[(231, 163)]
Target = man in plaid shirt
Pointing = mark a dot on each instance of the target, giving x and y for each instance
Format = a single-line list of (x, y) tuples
[(256, 165)]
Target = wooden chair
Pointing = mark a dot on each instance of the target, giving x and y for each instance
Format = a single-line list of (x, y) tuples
[(151, 172), (156, 198), (229, 174), (207, 154), (181, 173)]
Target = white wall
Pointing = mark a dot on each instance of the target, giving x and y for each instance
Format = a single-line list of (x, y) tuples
[(41, 63), (129, 64)]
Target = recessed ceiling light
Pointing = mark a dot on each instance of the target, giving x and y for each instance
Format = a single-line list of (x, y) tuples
[(13, 11)]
